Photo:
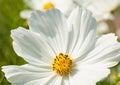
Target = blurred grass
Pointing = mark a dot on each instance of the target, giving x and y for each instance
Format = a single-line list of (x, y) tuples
[(10, 19)]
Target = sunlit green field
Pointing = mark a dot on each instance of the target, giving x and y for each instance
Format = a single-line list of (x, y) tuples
[(10, 19)]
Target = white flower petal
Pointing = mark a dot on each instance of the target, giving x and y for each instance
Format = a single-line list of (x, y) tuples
[(106, 52), (53, 25), (18, 84), (43, 81), (81, 80), (48, 22), (57, 81), (82, 35), (26, 14), (65, 80), (32, 47), (88, 75), (25, 73), (51, 80)]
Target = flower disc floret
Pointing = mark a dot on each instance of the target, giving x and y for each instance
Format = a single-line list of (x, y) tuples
[(62, 64)]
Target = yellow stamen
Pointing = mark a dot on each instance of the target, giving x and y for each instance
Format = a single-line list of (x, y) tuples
[(62, 64), (48, 6)]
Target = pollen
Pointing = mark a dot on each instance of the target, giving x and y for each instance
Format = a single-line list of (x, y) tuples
[(48, 6), (62, 64)]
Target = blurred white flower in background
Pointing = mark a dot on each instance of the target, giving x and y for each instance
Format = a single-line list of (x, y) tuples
[(102, 28), (65, 6), (101, 9), (62, 51)]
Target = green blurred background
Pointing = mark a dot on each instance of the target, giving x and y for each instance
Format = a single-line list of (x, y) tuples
[(10, 19)]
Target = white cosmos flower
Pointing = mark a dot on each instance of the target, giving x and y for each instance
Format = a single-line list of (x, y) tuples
[(65, 6), (62, 51)]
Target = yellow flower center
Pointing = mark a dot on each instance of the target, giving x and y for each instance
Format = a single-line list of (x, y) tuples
[(48, 6), (62, 64)]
